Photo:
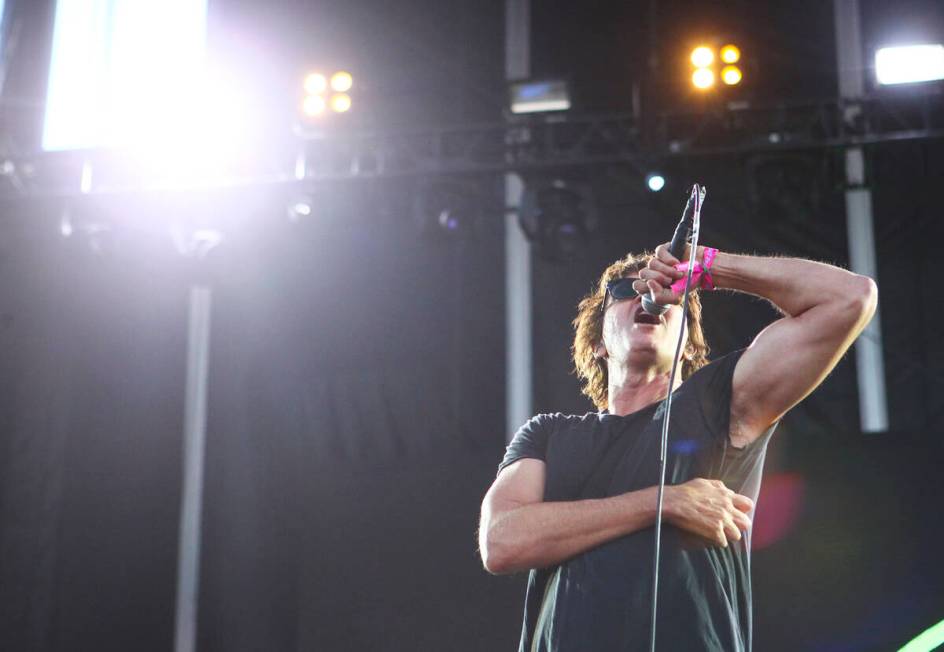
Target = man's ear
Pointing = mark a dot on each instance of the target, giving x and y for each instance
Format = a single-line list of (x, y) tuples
[(600, 352)]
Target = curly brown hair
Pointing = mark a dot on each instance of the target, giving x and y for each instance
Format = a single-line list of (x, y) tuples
[(588, 331)]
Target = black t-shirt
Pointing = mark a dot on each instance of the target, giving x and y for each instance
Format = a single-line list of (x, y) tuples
[(600, 600)]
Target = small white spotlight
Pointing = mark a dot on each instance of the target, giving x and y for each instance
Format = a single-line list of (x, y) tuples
[(909, 63), (655, 181)]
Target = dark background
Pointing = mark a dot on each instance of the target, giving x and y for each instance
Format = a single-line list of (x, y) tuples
[(356, 410)]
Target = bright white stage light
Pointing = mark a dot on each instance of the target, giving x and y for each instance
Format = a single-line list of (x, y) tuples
[(656, 182), (113, 75), (200, 141), (116, 81), (909, 63)]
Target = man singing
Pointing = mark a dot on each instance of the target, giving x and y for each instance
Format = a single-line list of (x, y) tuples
[(575, 497)]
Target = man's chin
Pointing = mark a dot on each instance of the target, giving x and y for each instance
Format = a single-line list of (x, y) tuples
[(647, 353), (643, 354)]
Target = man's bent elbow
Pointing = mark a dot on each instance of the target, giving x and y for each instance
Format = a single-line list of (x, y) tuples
[(494, 563), (865, 299), (497, 558)]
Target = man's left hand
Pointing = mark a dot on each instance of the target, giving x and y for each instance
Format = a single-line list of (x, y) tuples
[(659, 275)]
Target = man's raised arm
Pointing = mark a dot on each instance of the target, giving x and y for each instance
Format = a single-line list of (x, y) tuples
[(825, 308)]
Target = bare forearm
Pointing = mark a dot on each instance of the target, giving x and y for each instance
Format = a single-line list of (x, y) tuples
[(792, 284), (547, 533)]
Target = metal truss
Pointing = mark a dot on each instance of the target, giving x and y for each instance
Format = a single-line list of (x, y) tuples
[(564, 141), (836, 123), (543, 142)]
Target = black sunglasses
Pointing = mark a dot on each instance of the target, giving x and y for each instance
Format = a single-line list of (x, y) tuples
[(619, 289)]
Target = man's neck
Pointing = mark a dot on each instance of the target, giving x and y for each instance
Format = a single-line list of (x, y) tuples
[(632, 389)]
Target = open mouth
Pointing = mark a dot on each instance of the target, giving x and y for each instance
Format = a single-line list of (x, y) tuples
[(643, 317)]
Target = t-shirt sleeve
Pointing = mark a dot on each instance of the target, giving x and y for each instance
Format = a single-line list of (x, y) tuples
[(530, 441), (714, 393), (739, 468)]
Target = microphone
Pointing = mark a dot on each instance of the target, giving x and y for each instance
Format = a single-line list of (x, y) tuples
[(676, 247)]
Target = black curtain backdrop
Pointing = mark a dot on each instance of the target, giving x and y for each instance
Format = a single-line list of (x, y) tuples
[(356, 418)]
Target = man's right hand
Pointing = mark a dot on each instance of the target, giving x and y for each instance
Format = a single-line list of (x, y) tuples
[(709, 509)]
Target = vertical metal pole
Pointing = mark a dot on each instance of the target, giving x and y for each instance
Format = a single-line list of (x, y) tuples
[(873, 407), (518, 375), (188, 556)]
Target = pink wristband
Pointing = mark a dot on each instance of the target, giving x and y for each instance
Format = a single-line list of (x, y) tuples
[(701, 272), (679, 286), (708, 257)]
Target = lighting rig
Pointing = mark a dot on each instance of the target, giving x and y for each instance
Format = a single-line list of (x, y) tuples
[(571, 141)]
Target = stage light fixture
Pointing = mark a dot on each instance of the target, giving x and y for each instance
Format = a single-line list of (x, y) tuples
[(730, 54), (908, 64), (703, 78), (113, 82), (558, 219), (702, 56), (707, 72), (655, 182), (324, 93), (448, 208), (342, 81), (539, 96), (340, 102), (731, 75)]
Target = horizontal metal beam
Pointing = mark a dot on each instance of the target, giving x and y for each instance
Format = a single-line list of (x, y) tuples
[(551, 141)]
